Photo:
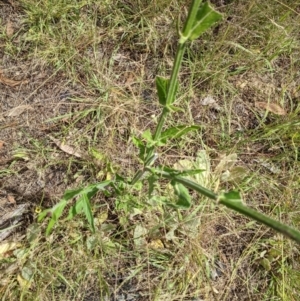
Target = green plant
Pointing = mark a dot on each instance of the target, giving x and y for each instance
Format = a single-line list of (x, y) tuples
[(200, 18)]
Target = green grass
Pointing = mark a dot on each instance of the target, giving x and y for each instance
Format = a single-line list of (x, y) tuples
[(111, 51)]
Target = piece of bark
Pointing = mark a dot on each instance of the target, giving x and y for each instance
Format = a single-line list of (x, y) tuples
[(10, 220)]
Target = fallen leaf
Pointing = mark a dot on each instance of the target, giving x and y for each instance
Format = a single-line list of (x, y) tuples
[(9, 29), (13, 218), (10, 82), (272, 107), (156, 244), (11, 199), (17, 111), (66, 148), (24, 284), (8, 246), (129, 80), (1, 144)]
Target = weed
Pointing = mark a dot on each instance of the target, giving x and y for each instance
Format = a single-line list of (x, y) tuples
[(151, 236)]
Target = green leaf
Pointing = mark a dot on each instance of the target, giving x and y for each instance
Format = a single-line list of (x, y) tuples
[(97, 155), (100, 186), (266, 264), (149, 140), (151, 184), (184, 198), (148, 137), (43, 214), (201, 162), (81, 205), (70, 194), (205, 18), (140, 145), (175, 172), (177, 131), (232, 196), (56, 212), (74, 210), (162, 88), (87, 210), (172, 108)]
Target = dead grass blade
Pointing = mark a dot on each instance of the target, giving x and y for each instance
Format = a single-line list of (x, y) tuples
[(11, 82), (9, 29), (271, 107), (17, 111)]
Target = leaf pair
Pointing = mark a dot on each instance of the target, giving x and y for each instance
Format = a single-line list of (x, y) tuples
[(82, 205), (198, 23)]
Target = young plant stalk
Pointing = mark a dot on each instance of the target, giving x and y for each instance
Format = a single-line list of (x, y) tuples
[(199, 19), (171, 93)]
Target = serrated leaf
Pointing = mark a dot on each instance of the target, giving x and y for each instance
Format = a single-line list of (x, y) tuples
[(162, 88), (206, 17), (100, 186), (177, 131), (149, 140), (58, 209), (148, 136), (43, 214), (200, 163), (81, 205), (50, 226), (140, 145), (70, 194), (184, 198)]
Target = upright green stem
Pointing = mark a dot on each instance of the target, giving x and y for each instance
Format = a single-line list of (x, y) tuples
[(174, 75), (172, 87), (191, 17), (171, 93)]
